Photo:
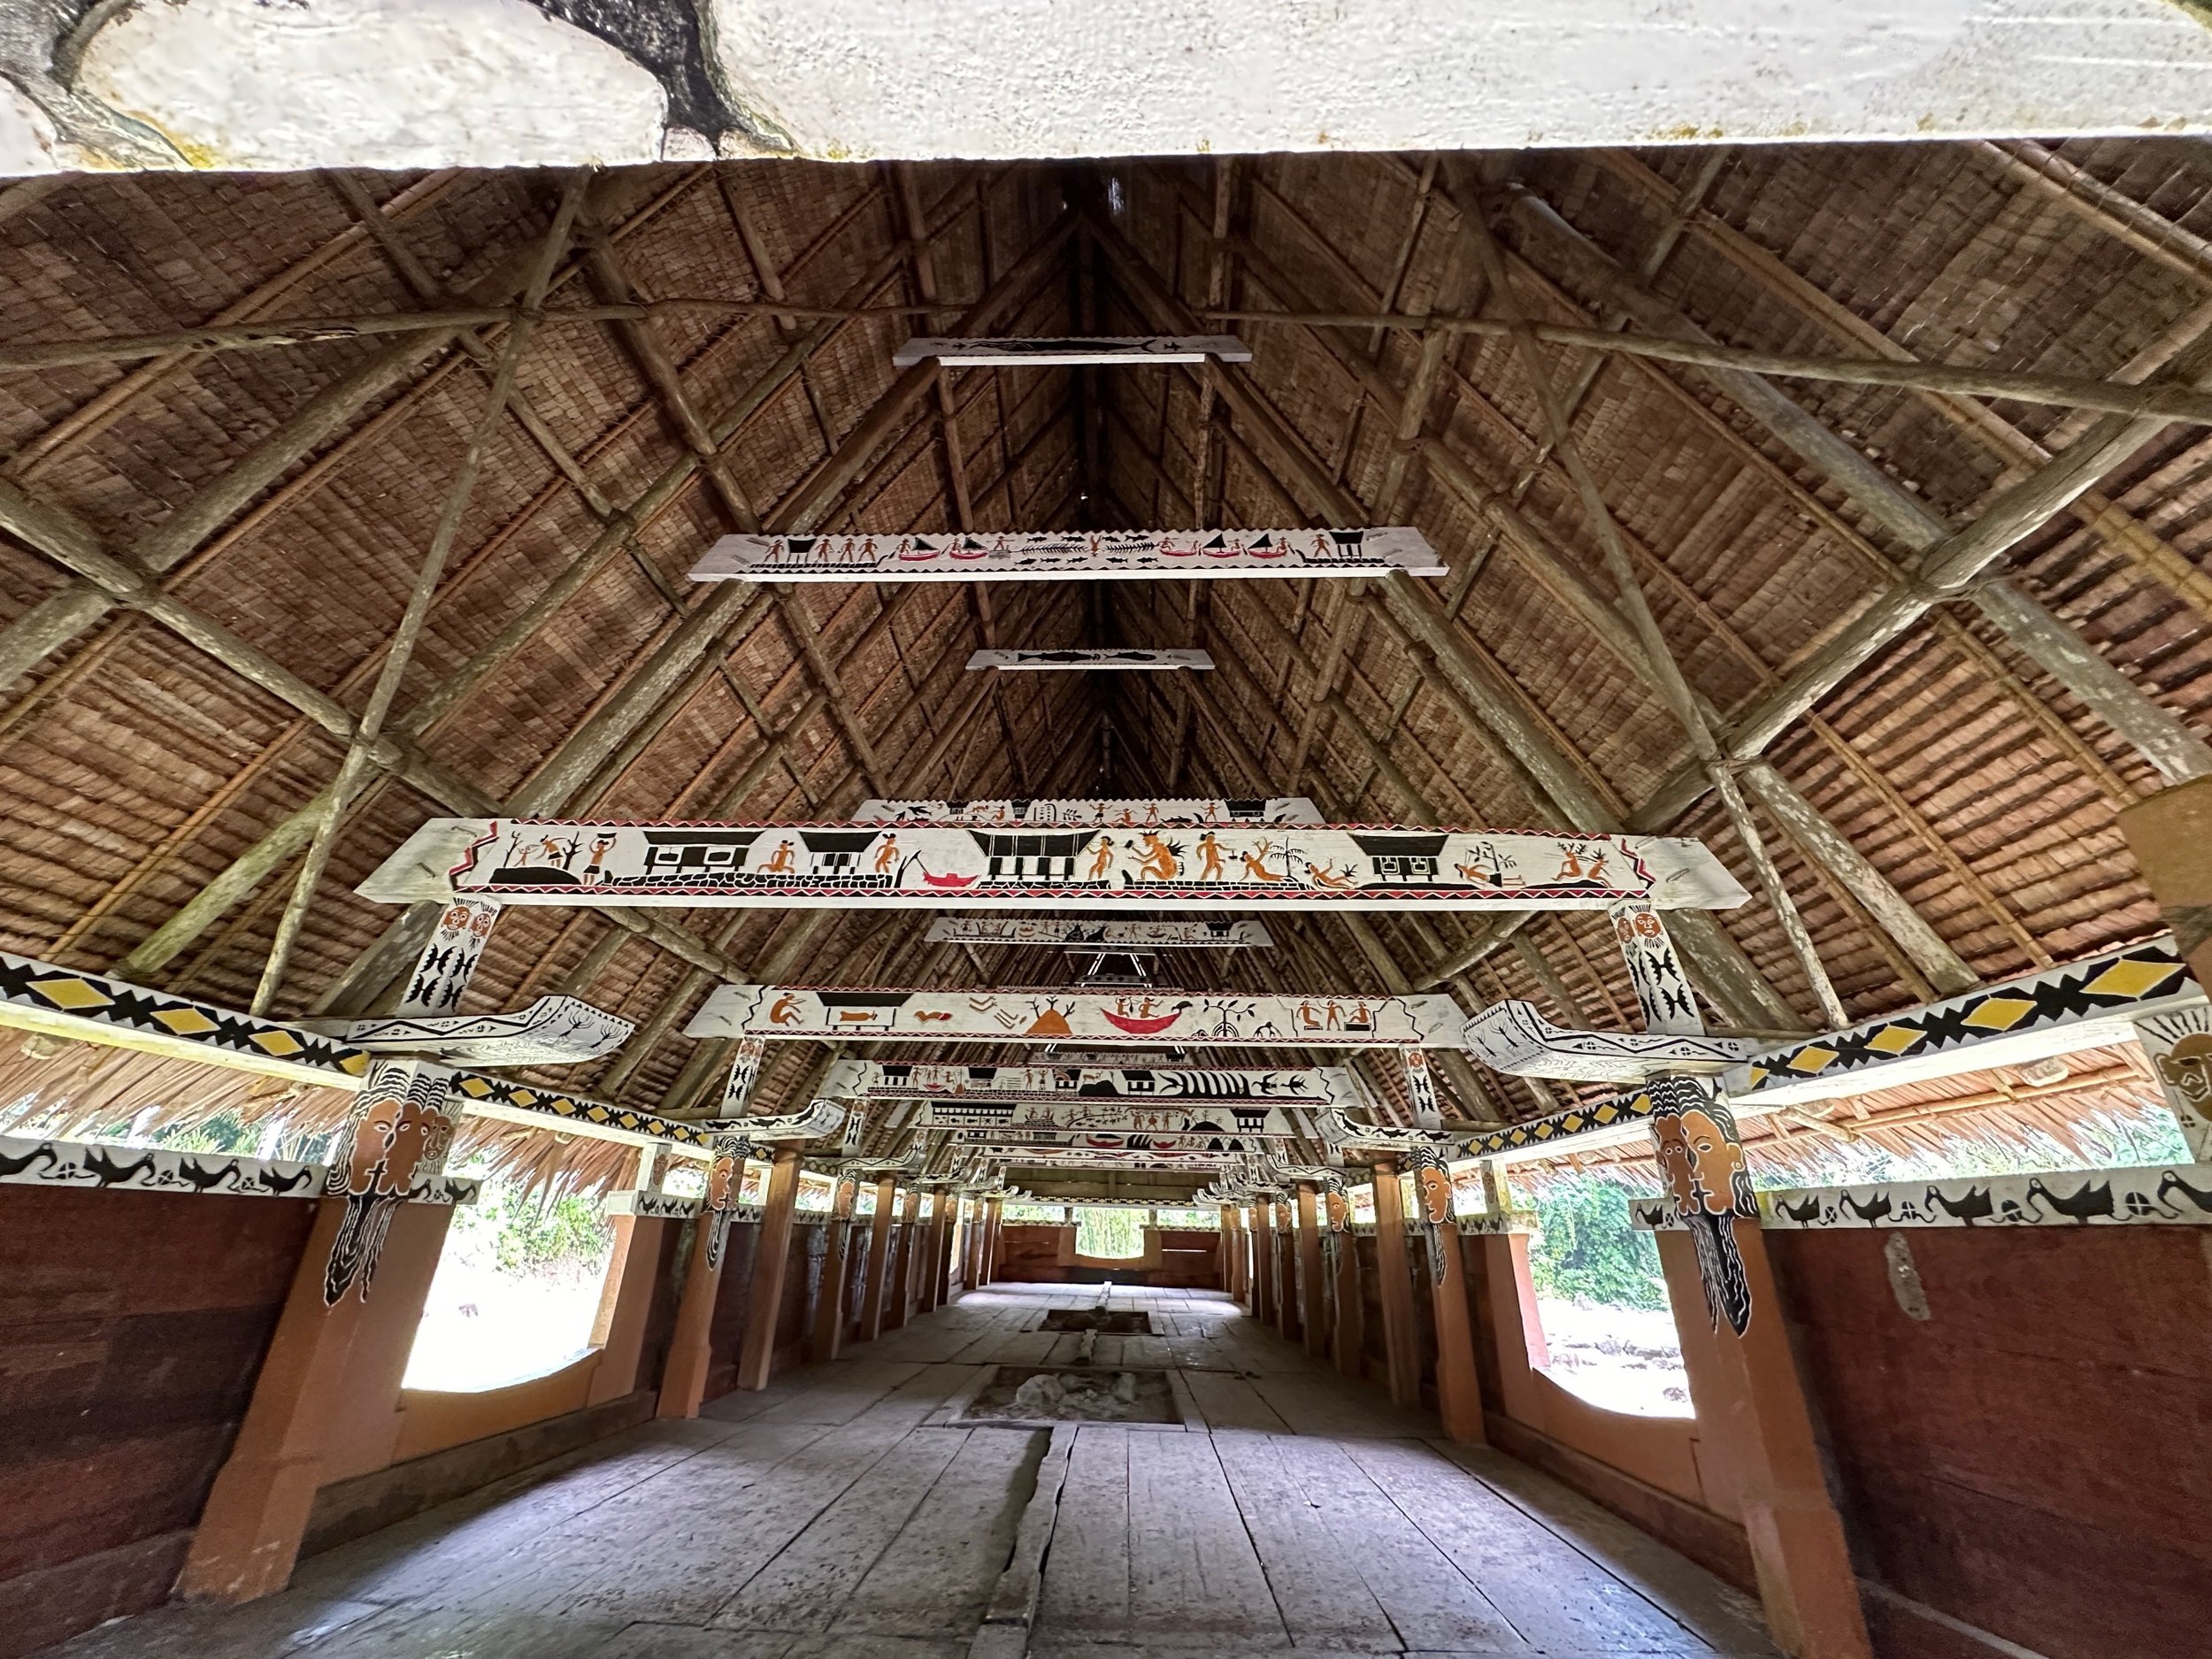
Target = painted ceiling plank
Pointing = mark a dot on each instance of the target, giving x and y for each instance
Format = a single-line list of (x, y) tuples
[(1121, 813), (919, 866), (2088, 1004), (1513, 1037), (1074, 660), (1002, 351), (1113, 937), (867, 1013), (1046, 555)]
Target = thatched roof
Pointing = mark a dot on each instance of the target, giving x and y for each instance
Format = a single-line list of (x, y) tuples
[(285, 497)]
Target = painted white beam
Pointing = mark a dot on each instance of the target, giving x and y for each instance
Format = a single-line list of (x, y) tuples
[(1112, 938), (1194, 1019), (1083, 661), (923, 866), (1081, 351), (1088, 555), (1288, 809), (1250, 1099)]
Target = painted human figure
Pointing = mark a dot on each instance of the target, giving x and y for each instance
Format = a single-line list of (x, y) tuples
[(781, 863), (1159, 863), (1209, 852), (397, 1134), (1694, 1137), (784, 1009), (2180, 1048), (601, 846), (1256, 865), (887, 855)]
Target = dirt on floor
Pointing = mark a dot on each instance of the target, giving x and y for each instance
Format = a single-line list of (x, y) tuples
[(1026, 1393)]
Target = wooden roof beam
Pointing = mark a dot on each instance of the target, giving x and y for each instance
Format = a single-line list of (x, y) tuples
[(1949, 561)]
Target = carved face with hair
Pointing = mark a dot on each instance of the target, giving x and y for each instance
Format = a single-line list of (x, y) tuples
[(1434, 1183), (1703, 1164), (400, 1131), (723, 1177)]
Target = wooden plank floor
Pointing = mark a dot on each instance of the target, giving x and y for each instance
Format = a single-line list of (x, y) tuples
[(840, 1512)]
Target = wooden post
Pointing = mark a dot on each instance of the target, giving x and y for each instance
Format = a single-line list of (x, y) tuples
[(1401, 1357), (879, 1226), (828, 1335), (1227, 1253), (684, 1373), (1264, 1286), (1750, 1400), (1458, 1390), (971, 1255), (249, 1535), (1348, 1335), (936, 1245), (757, 1359), (1313, 1288), (1288, 1281), (905, 1282), (993, 1219)]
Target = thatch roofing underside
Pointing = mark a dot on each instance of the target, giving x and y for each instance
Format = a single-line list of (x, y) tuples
[(286, 495)]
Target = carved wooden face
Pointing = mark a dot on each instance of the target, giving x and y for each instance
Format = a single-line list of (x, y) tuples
[(1702, 1162), (1338, 1209), (1434, 1184), (2186, 1069), (401, 1134), (722, 1179)]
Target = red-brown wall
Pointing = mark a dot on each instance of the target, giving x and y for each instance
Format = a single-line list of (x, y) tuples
[(2034, 1458), (1030, 1252), (132, 1325)]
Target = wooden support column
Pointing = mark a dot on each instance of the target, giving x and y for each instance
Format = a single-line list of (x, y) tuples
[(1263, 1261), (828, 1335), (972, 1258), (684, 1373), (992, 1214), (1402, 1358), (249, 1535), (757, 1359), (1224, 1254), (906, 1279), (879, 1236), (1347, 1333), (1289, 1283), (1312, 1284), (1458, 1390), (936, 1244), (1752, 1413)]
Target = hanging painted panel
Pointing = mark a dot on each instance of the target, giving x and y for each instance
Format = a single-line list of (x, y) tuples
[(1071, 660), (523, 861), (1224, 1145), (1112, 937), (1049, 555), (868, 1013), (1244, 1096), (1289, 808), (1001, 351)]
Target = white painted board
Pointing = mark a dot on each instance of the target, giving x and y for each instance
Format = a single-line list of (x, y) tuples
[(1085, 660), (1078, 351), (1087, 935), (1089, 554)]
